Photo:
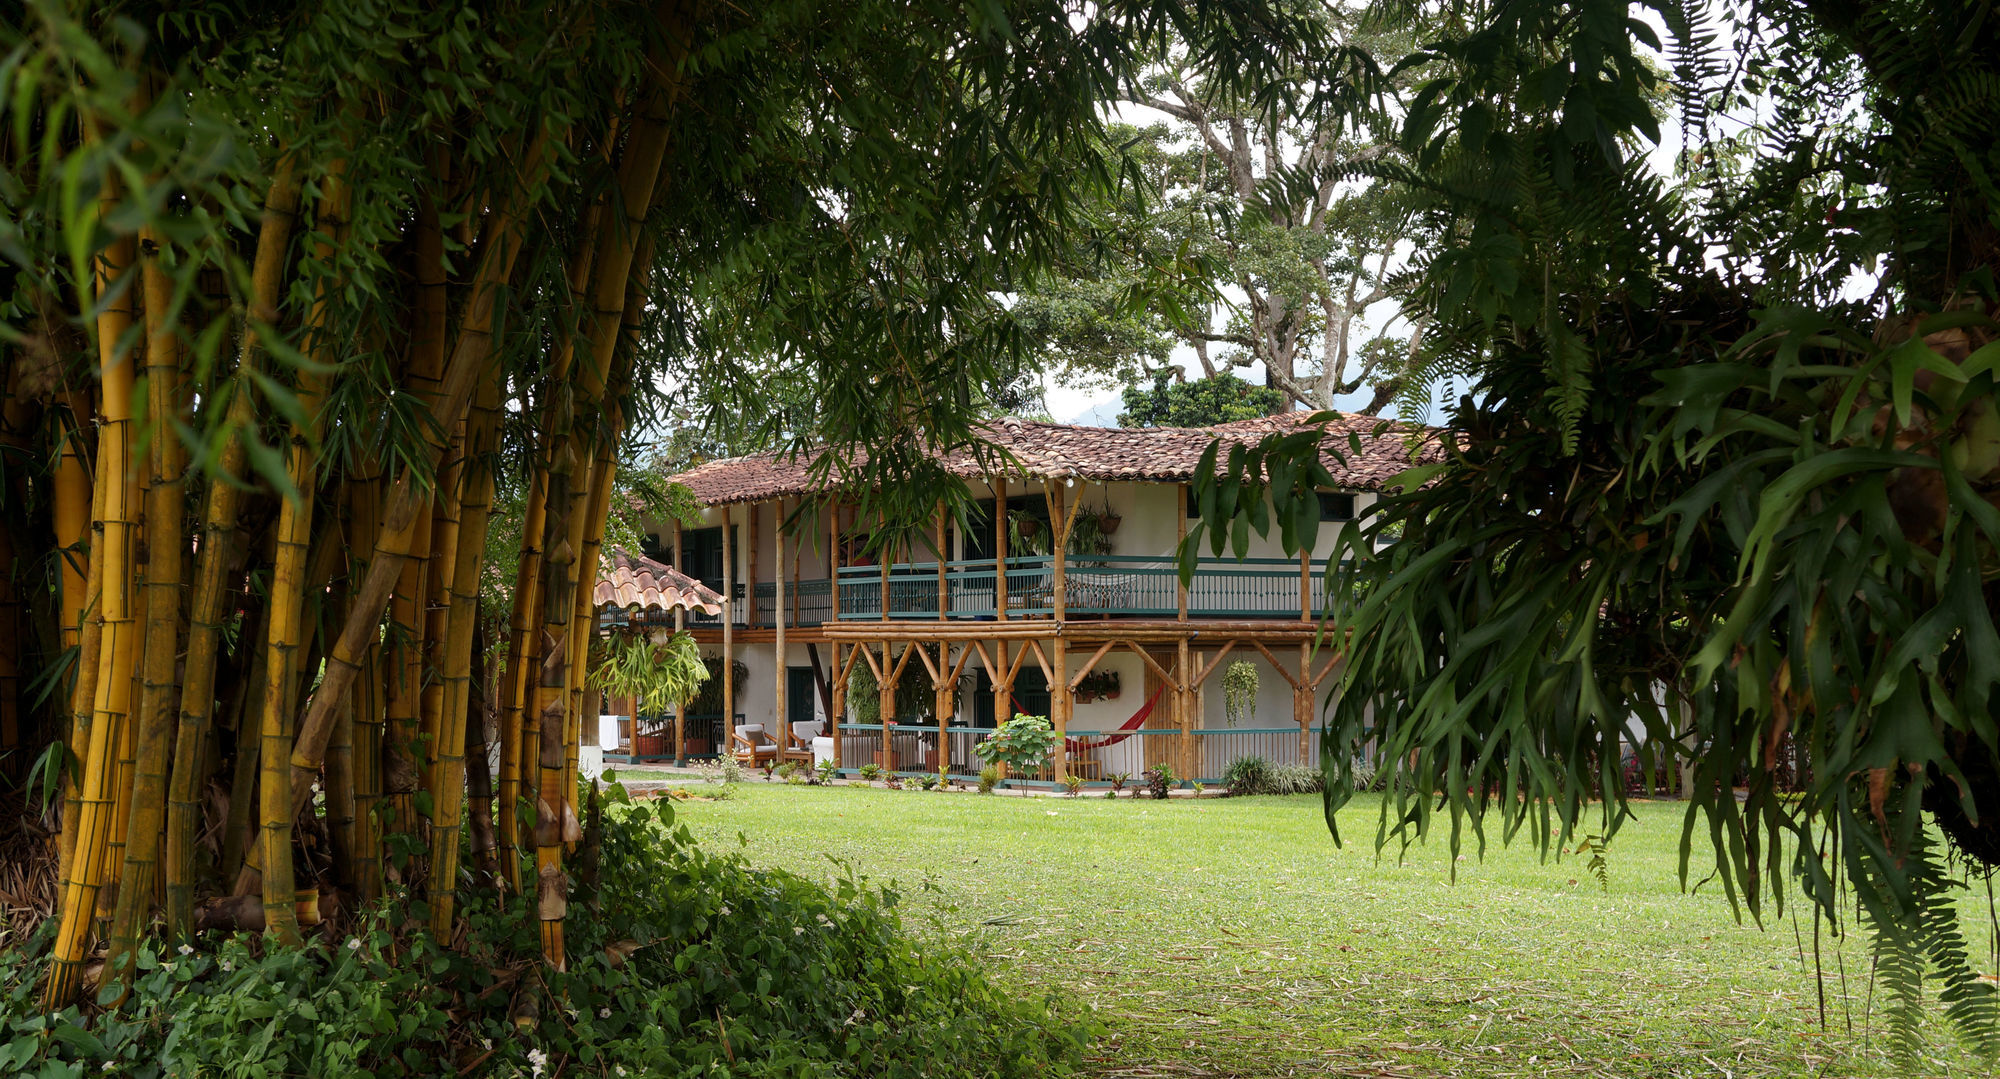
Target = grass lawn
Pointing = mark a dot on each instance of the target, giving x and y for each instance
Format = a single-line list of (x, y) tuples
[(1232, 938)]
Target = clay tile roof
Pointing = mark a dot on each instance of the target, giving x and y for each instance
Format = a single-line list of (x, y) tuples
[(627, 580), (1158, 454)]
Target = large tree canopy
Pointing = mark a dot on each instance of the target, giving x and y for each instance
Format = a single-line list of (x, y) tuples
[(1729, 459), (292, 294)]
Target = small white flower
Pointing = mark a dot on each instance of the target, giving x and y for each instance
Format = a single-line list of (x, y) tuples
[(353, 944), (111, 1065), (725, 910), (604, 1013), (486, 1043), (538, 1060), (798, 930), (227, 966), (187, 949), (825, 921)]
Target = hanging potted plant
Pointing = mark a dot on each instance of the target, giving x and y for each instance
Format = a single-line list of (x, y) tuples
[(1025, 534), (1108, 519), (1239, 690)]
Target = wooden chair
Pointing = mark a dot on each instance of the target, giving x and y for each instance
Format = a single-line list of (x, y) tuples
[(799, 742), (751, 746)]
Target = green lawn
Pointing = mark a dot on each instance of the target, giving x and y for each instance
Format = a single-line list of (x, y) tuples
[(1232, 938)]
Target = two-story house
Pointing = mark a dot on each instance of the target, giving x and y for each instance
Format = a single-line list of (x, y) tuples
[(1060, 599)]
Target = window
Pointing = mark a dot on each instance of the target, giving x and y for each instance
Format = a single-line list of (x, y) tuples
[(701, 554)]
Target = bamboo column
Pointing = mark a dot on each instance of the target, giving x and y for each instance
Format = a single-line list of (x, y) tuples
[(779, 705), (1000, 549), (1302, 701), (680, 625), (752, 555), (1180, 539), (838, 672), (1187, 695), (728, 633), (885, 696), (945, 704)]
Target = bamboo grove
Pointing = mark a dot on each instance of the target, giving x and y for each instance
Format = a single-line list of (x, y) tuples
[(294, 300)]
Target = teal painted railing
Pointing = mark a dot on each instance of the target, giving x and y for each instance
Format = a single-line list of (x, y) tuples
[(1118, 585)]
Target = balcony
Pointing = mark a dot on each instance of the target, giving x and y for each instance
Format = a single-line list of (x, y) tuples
[(1095, 586)]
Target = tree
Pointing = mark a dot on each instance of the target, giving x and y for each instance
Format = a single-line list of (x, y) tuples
[(1203, 402), (1694, 482), (339, 278), (1247, 232)]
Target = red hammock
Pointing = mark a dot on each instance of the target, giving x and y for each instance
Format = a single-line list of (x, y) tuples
[(1138, 720)]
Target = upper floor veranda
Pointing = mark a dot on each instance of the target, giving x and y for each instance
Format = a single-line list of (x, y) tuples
[(1116, 498)]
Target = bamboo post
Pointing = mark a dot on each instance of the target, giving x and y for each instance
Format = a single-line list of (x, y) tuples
[(1003, 684), (944, 706), (752, 554), (1302, 701), (779, 706), (1062, 702), (839, 703), (1189, 696), (1058, 541), (833, 600), (1000, 548), (728, 631), (1180, 538), (680, 625), (886, 694), (943, 595)]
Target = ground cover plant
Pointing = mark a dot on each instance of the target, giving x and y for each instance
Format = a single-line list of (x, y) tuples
[(689, 963), (1232, 938)]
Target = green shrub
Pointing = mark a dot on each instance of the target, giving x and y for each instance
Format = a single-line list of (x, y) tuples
[(1160, 779), (1022, 743), (870, 771), (1247, 775), (696, 964), (989, 778)]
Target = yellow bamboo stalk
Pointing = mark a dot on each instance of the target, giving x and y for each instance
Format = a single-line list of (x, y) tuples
[(112, 560), (286, 633), (83, 694), (440, 575), (520, 660), (448, 782), (205, 607), (128, 673), (154, 726), (470, 359), (365, 710)]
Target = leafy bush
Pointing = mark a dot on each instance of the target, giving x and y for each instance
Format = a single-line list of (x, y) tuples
[(1247, 775), (1160, 779), (1256, 775), (698, 964), (989, 778), (826, 771), (1022, 743), (1118, 780), (1072, 783), (870, 771)]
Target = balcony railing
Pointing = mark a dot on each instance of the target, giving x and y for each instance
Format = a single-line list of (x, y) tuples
[(1094, 585)]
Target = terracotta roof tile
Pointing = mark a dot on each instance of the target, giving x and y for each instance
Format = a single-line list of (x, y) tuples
[(1159, 454), (626, 580)]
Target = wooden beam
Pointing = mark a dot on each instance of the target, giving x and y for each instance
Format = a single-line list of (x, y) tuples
[(985, 660), (1227, 647), (1042, 659), (959, 667), (896, 675), (1164, 674), (1015, 668), (1090, 664), (1275, 665), (924, 653), (1328, 668), (862, 651)]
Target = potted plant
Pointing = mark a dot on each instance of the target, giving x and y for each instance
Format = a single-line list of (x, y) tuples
[(1239, 690), (1023, 742), (1108, 520), (1025, 534)]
